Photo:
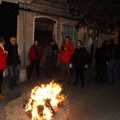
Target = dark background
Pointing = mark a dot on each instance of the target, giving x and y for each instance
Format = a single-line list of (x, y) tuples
[(8, 20)]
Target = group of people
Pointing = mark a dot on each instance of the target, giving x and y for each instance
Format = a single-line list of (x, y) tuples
[(67, 54), (35, 55), (107, 61), (78, 58), (9, 58)]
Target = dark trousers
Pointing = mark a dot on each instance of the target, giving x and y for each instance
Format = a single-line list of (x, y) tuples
[(32, 64), (79, 73), (1, 80), (13, 74), (112, 71), (49, 66), (100, 75), (65, 71)]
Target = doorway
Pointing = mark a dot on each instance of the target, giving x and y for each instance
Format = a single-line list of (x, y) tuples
[(8, 25), (43, 32)]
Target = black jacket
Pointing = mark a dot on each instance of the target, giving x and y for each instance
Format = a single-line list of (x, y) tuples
[(101, 58), (113, 52), (13, 57), (80, 57)]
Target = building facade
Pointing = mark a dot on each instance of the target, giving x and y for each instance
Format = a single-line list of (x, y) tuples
[(43, 20)]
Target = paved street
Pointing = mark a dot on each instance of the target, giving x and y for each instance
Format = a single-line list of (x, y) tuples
[(95, 101)]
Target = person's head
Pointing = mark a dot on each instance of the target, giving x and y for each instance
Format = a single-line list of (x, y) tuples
[(51, 41), (54, 42), (105, 43), (13, 40), (2, 41), (67, 39), (79, 43), (36, 42)]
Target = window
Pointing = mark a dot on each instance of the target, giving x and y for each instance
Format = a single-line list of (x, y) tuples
[(68, 31)]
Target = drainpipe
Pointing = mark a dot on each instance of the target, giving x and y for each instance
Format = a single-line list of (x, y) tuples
[(24, 36)]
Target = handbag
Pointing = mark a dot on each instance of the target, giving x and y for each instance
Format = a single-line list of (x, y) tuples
[(71, 65), (5, 72)]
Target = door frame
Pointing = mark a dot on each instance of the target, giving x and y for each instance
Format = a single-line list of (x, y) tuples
[(55, 26)]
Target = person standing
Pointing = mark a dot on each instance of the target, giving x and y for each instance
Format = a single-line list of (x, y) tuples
[(80, 62), (66, 51), (112, 62), (55, 55), (49, 59), (12, 62), (3, 56), (101, 58), (34, 57)]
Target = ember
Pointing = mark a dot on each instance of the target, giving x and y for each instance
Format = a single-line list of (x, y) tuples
[(44, 101)]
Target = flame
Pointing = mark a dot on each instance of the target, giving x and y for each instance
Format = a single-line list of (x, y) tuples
[(38, 98)]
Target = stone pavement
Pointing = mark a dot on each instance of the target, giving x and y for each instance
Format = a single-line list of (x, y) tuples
[(95, 101)]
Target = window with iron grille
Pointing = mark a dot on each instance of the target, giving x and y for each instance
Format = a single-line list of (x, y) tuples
[(68, 30)]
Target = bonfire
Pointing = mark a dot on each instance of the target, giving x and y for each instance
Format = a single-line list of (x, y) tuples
[(44, 101)]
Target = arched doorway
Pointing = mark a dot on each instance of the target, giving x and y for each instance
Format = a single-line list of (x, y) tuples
[(44, 30)]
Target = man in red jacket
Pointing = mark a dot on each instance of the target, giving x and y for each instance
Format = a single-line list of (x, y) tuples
[(34, 57), (66, 50)]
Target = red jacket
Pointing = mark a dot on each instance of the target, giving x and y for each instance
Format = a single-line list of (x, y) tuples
[(65, 55), (32, 53), (3, 57)]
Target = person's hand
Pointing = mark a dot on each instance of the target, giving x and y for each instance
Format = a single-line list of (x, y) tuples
[(6, 52), (65, 48), (29, 61), (86, 66)]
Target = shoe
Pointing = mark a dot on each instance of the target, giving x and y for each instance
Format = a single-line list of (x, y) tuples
[(2, 96)]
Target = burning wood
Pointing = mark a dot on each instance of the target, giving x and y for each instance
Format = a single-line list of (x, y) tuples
[(48, 104), (44, 101)]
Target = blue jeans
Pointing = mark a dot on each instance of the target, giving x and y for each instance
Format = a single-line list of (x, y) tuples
[(12, 73), (112, 71)]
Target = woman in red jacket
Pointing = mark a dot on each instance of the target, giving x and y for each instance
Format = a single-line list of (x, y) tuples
[(34, 57), (66, 51), (3, 56)]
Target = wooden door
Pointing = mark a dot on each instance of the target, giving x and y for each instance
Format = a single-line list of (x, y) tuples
[(43, 37)]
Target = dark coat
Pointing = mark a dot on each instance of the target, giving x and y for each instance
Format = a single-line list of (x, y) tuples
[(13, 57), (101, 59), (49, 51), (55, 51), (113, 52), (80, 57)]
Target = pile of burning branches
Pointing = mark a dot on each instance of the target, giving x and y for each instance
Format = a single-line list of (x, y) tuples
[(44, 101)]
